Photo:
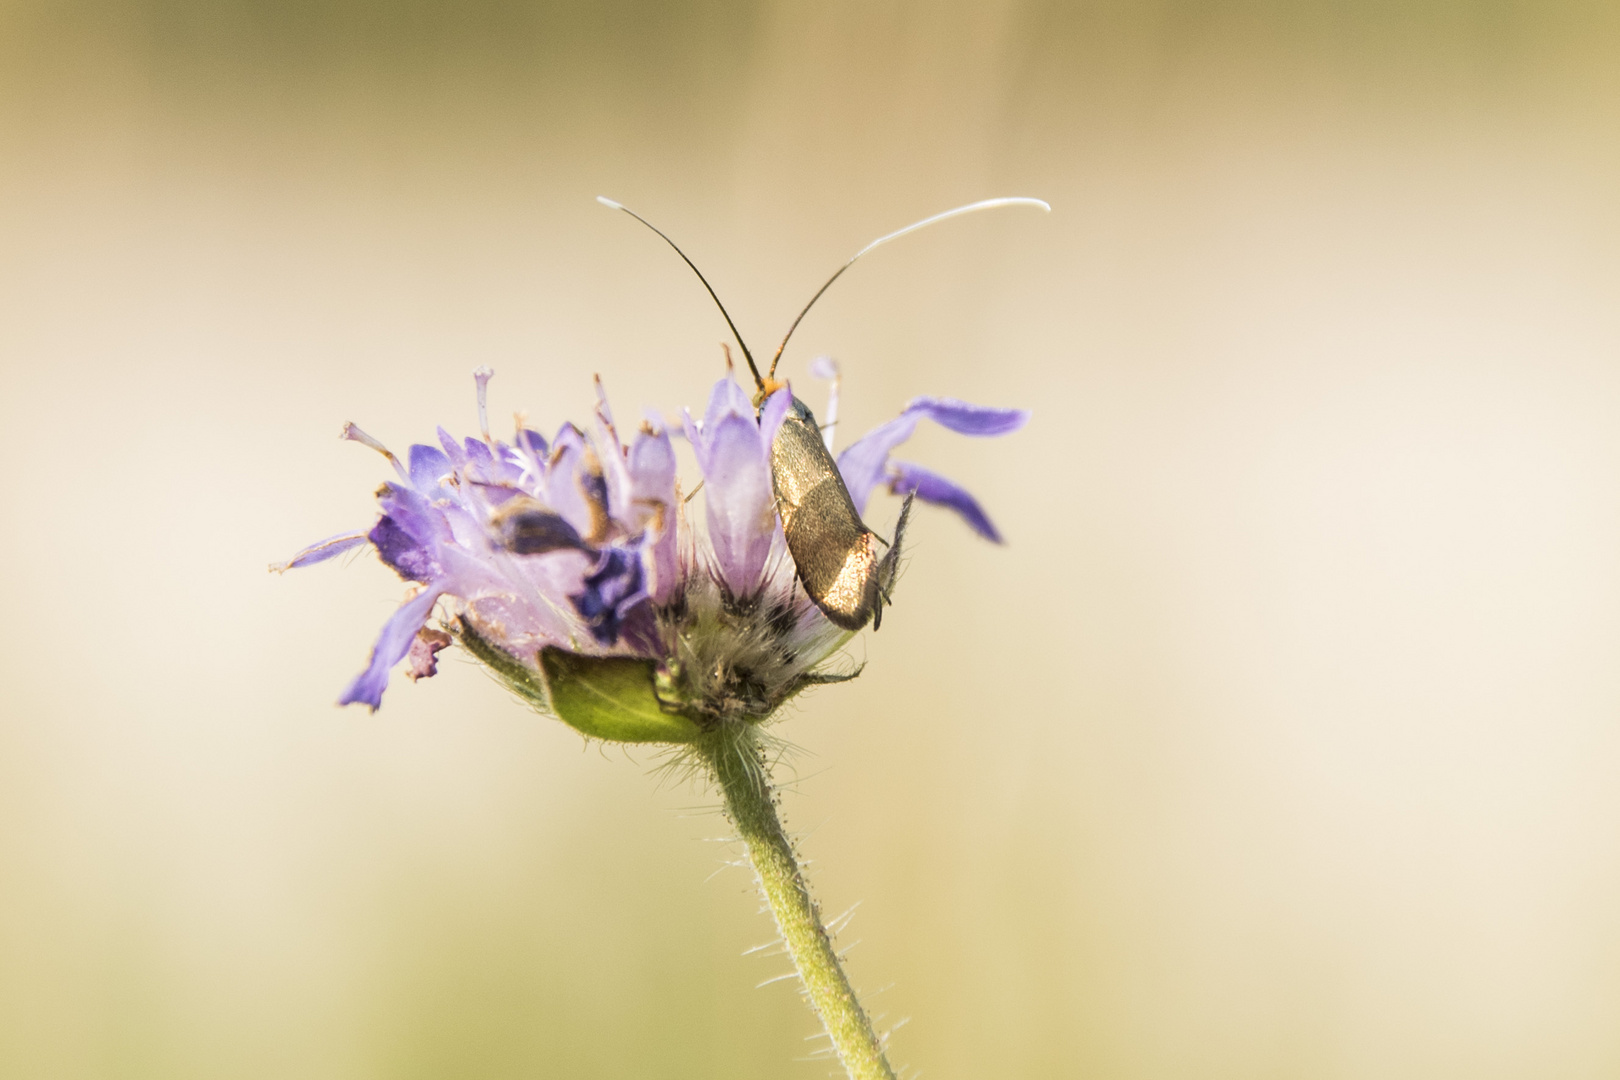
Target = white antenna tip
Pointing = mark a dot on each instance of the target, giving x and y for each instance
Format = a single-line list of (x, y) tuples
[(1011, 200), (611, 205)]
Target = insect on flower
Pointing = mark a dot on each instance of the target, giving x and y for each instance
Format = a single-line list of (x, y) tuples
[(573, 569), (831, 546)]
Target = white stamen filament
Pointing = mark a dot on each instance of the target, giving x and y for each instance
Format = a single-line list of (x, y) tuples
[(825, 367), (481, 376), (352, 433)]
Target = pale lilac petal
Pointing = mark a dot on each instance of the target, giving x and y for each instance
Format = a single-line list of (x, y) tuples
[(507, 466), (466, 528), (651, 464), (519, 603), (738, 496), (499, 464), (966, 419), (568, 432), (615, 476), (739, 499), (906, 478), (652, 482), (392, 645), (726, 399), (532, 452), (320, 552), (570, 488), (604, 414), (497, 495)]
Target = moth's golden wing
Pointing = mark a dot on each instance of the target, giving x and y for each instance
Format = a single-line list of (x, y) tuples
[(831, 548)]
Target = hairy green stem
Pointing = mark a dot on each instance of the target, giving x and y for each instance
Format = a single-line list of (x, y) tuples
[(738, 764)]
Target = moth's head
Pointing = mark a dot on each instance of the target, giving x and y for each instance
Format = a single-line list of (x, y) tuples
[(766, 387)]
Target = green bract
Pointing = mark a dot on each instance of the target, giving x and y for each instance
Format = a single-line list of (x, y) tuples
[(610, 698), (604, 697)]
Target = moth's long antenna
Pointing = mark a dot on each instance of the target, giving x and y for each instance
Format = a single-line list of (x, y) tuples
[(611, 205), (986, 204)]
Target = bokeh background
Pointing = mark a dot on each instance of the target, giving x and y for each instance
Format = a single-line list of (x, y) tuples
[(1281, 740)]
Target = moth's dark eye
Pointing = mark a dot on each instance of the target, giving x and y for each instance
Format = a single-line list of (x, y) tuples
[(535, 532)]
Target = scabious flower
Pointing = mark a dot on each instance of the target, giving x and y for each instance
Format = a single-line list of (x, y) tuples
[(576, 569)]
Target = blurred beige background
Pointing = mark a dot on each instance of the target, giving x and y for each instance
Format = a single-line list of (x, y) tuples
[(1280, 741)]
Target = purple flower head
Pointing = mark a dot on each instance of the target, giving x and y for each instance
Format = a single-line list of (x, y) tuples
[(583, 547)]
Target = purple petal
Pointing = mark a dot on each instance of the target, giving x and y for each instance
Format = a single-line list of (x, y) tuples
[(533, 442), (532, 452), (652, 486), (507, 468), (967, 419), (740, 502), (410, 559), (452, 449), (906, 478), (865, 462), (428, 464), (497, 464), (408, 535), (414, 511), (320, 552), (392, 645)]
